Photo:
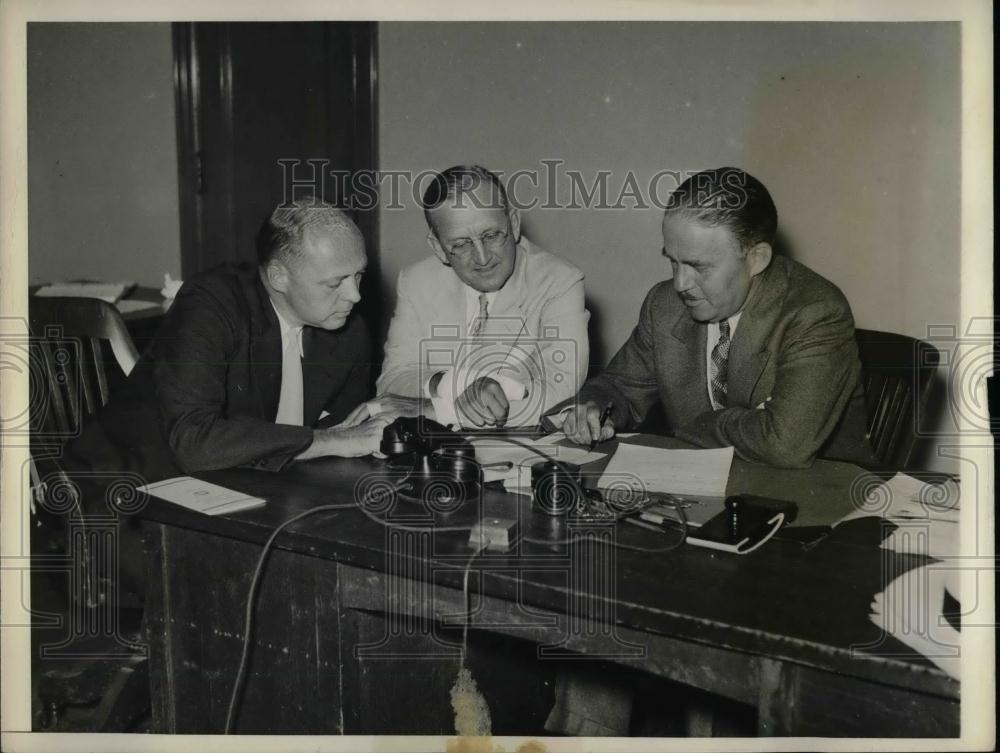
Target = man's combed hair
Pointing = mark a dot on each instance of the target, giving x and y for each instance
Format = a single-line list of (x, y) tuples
[(729, 197), (282, 234), (455, 185)]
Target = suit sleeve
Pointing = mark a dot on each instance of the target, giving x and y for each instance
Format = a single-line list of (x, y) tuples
[(191, 375), (629, 381), (402, 373), (817, 371)]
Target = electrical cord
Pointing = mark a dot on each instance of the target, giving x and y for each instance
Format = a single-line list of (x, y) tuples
[(258, 570), (248, 619)]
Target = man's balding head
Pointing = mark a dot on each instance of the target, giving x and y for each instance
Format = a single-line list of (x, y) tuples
[(282, 236)]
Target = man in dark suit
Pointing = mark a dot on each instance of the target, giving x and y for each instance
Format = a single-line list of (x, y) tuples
[(741, 348), (254, 365)]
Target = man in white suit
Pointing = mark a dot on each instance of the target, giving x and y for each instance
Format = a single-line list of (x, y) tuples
[(492, 329)]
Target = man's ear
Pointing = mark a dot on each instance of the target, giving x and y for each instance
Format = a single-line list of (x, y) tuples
[(759, 257), (277, 275), (515, 223), (437, 248)]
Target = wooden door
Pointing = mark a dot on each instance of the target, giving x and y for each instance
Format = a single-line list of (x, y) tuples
[(255, 103)]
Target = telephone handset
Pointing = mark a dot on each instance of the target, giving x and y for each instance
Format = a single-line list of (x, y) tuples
[(441, 465)]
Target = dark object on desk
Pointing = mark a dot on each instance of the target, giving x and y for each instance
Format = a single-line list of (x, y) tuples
[(70, 383), (746, 522), (553, 491), (441, 467), (897, 372)]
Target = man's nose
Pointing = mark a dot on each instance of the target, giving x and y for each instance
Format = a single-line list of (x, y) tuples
[(351, 291), (681, 281), (482, 255)]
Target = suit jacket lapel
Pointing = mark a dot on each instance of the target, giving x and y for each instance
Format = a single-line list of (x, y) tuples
[(688, 372), (319, 372), (750, 351), (265, 351), (507, 317)]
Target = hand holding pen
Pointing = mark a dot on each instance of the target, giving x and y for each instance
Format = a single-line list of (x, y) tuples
[(587, 423), (605, 415)]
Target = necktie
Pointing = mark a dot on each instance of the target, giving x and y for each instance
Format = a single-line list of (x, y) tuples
[(290, 401), (479, 323), (720, 365)]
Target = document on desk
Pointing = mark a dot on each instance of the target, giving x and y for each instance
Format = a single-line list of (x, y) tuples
[(911, 608), (201, 496), (905, 498), (106, 291), (653, 469)]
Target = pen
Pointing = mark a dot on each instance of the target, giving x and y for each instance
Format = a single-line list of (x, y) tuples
[(605, 415)]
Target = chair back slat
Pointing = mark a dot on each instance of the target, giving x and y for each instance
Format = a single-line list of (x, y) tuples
[(67, 337), (898, 373)]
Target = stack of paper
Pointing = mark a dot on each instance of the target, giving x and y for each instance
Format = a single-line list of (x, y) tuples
[(106, 291), (911, 609), (926, 516), (201, 496), (651, 469)]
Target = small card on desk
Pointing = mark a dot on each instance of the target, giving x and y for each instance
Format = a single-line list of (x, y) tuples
[(201, 496)]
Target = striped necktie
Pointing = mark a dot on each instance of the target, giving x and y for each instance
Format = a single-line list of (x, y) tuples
[(479, 323), (720, 365)]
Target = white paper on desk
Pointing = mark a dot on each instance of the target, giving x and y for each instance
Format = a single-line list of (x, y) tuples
[(492, 450), (106, 291), (903, 497), (201, 496), (911, 609), (653, 469), (932, 538)]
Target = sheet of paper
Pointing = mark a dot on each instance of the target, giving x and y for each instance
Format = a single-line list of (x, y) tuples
[(905, 498), (106, 291), (491, 450), (201, 496), (911, 609), (931, 538), (699, 472)]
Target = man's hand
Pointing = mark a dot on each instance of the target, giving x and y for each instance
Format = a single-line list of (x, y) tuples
[(583, 424), (483, 404), (389, 405), (347, 442)]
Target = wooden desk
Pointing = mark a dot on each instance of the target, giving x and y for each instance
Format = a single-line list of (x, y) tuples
[(350, 634)]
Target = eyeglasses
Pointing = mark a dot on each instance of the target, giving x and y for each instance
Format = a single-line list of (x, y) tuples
[(462, 248)]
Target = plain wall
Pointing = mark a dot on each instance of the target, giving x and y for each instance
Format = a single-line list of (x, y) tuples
[(854, 128), (102, 153)]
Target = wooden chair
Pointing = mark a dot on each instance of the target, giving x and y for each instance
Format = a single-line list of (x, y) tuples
[(70, 380), (898, 373), (68, 336)]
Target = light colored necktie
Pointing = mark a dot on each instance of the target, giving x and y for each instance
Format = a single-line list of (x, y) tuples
[(290, 402), (479, 323), (720, 365)]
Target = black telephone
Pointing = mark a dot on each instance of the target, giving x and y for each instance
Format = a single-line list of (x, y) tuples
[(441, 466)]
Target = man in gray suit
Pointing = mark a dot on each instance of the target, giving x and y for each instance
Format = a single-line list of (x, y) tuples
[(742, 348)]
